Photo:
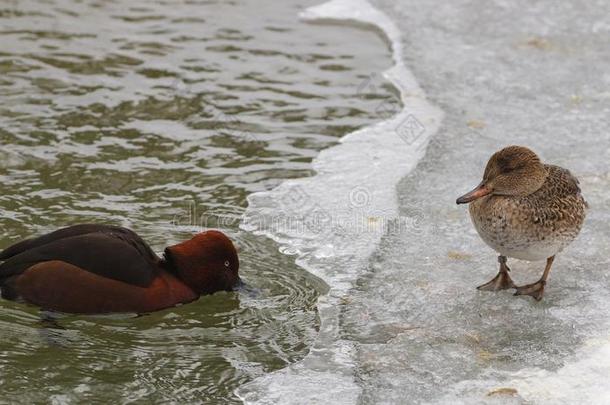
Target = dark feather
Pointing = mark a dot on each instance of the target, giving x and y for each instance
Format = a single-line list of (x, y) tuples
[(108, 251)]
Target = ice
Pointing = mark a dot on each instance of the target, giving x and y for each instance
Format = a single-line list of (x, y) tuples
[(402, 321), (334, 220)]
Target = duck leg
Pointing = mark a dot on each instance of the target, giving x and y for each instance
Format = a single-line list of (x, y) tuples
[(500, 282), (536, 289)]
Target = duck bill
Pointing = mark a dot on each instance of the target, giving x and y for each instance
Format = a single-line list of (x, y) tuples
[(480, 191), (239, 285)]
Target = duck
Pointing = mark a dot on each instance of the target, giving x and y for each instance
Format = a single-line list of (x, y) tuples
[(99, 269), (525, 209)]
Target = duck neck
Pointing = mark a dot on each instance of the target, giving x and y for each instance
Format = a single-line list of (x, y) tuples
[(167, 264)]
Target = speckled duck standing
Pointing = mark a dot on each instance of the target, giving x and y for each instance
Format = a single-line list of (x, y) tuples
[(526, 210)]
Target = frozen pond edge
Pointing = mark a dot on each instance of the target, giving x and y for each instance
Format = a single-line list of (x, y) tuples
[(334, 220)]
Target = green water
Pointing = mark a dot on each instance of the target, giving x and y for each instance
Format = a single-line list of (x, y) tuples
[(163, 116)]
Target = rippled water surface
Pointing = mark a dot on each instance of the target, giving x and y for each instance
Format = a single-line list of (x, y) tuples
[(164, 116)]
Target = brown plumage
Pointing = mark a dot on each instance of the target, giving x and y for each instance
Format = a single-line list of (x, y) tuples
[(101, 268), (527, 210)]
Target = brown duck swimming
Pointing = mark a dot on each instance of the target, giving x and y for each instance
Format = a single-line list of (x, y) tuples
[(527, 210), (96, 269)]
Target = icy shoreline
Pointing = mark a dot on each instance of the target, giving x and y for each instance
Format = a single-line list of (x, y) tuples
[(504, 73), (354, 179), (402, 321)]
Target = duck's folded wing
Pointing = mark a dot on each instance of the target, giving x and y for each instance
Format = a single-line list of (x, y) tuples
[(108, 254), (561, 183), (70, 231)]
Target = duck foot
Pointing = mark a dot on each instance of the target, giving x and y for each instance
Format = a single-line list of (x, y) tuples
[(535, 290), (49, 319), (500, 282)]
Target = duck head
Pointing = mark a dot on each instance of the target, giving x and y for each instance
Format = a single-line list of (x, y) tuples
[(513, 171), (206, 263)]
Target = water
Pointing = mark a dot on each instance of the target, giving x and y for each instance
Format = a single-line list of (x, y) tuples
[(164, 117), (381, 307), (402, 322), (335, 219)]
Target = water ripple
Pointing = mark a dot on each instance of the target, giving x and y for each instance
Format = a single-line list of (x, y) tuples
[(163, 118)]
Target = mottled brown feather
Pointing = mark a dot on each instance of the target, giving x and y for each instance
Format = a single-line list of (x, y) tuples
[(551, 216)]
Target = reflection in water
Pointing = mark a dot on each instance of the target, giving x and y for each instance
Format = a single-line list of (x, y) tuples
[(133, 113)]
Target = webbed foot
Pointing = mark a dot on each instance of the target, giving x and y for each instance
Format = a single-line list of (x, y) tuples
[(500, 282), (535, 290)]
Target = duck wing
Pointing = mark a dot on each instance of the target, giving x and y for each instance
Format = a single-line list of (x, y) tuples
[(561, 182), (558, 203), (108, 251), (76, 230), (561, 187)]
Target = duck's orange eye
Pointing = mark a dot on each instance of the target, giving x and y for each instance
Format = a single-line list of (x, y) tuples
[(227, 264)]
